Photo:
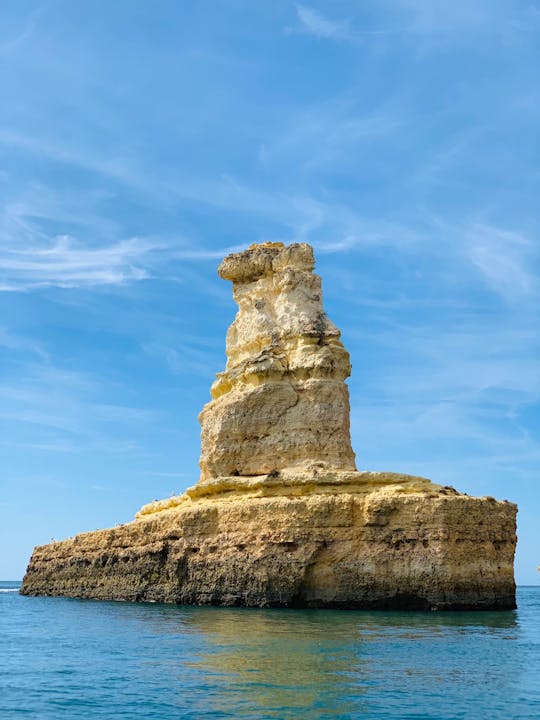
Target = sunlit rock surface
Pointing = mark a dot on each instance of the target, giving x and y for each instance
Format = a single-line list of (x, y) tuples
[(280, 516), (282, 401)]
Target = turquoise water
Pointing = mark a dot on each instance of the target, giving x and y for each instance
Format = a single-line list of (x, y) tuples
[(94, 660)]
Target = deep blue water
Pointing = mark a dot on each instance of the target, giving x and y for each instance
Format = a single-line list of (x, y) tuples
[(94, 660)]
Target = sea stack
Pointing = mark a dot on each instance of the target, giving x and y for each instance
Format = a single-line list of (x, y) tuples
[(282, 402), (280, 515)]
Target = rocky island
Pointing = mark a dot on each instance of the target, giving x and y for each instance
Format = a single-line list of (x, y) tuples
[(280, 515)]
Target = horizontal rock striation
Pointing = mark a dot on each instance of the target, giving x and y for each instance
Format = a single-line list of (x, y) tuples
[(282, 401), (280, 516), (367, 549)]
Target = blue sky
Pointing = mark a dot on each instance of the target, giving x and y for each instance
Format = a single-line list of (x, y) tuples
[(140, 142)]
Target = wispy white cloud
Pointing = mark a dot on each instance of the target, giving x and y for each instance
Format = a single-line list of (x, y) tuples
[(68, 263), (187, 358), (330, 134), (119, 169), (157, 187), (462, 21), (201, 253), (314, 23), (430, 15), (60, 410), (45, 396), (472, 253), (426, 20), (505, 259), (482, 356), (8, 45), (53, 447), (31, 258), (63, 262), (461, 391), (354, 232), (16, 342)]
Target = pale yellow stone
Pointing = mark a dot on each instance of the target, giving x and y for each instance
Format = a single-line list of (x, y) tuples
[(383, 548), (282, 401), (280, 515)]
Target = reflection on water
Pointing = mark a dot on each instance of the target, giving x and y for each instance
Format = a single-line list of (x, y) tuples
[(281, 662), (78, 659), (335, 664)]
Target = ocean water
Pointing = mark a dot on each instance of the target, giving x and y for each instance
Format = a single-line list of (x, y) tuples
[(94, 660)]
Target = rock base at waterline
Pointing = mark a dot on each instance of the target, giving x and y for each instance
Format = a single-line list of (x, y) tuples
[(351, 540)]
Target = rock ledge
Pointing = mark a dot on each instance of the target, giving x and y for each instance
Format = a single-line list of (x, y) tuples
[(280, 516)]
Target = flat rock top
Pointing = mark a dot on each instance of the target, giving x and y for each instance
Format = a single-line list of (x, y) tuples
[(264, 259)]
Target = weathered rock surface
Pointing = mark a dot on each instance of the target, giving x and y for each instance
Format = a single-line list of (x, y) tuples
[(280, 516), (378, 548), (282, 401)]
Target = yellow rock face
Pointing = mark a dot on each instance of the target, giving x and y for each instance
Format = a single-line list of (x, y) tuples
[(381, 548), (282, 401), (280, 515)]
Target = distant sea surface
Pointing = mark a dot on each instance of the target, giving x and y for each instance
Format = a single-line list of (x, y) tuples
[(94, 660)]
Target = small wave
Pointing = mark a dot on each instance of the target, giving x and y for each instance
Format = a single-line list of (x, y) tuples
[(9, 589)]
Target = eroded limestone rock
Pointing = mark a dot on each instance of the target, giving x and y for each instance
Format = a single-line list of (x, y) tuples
[(282, 401), (280, 516), (385, 548)]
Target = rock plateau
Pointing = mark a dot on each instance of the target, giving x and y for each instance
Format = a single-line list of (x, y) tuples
[(280, 516)]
